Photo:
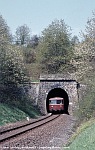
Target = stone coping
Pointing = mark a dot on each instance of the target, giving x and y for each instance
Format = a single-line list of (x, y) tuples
[(58, 77)]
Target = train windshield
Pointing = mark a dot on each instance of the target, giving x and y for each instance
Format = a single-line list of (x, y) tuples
[(55, 101)]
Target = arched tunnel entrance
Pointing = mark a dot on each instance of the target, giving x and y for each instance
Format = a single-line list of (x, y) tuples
[(58, 92)]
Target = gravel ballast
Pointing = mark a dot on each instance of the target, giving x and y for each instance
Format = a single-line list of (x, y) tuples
[(53, 135)]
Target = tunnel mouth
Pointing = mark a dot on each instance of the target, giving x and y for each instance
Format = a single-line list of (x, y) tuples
[(58, 92)]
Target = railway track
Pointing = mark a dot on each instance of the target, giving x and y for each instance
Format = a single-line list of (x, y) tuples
[(7, 134)]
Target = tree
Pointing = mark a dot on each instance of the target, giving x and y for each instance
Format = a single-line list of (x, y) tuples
[(13, 74), (4, 42), (5, 36), (55, 50), (29, 55), (89, 39), (90, 28), (22, 35), (34, 41), (75, 40)]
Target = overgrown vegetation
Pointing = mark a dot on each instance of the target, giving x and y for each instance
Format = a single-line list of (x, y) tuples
[(11, 114), (55, 49), (14, 79), (84, 138), (85, 64), (87, 103), (25, 57)]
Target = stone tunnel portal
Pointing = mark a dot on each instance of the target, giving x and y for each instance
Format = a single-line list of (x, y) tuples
[(58, 92)]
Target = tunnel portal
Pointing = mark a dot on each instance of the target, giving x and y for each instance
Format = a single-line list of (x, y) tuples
[(58, 92), (61, 86)]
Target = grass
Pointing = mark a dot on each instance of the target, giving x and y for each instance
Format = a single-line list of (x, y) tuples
[(84, 138), (10, 114)]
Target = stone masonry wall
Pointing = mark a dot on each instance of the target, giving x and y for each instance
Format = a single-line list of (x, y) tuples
[(39, 90), (69, 87), (34, 92)]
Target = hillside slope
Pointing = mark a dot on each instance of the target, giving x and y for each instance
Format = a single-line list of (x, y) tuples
[(85, 137), (9, 114)]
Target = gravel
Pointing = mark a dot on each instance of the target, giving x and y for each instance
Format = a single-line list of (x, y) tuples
[(54, 135)]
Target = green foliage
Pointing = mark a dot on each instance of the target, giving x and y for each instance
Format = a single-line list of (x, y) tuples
[(26, 106), (22, 35), (75, 40), (34, 71), (87, 104), (14, 81), (89, 39), (5, 36), (85, 140), (55, 49), (12, 65), (10, 114), (12, 70), (13, 74), (33, 42), (29, 55), (90, 28), (85, 62)]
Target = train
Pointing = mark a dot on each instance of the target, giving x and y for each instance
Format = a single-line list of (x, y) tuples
[(56, 104)]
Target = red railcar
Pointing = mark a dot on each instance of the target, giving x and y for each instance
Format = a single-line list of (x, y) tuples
[(56, 104)]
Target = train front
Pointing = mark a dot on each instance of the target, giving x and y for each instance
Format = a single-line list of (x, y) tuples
[(56, 104)]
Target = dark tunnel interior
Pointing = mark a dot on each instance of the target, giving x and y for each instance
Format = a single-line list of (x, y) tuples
[(58, 92)]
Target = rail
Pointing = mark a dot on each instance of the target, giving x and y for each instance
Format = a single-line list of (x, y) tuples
[(10, 133)]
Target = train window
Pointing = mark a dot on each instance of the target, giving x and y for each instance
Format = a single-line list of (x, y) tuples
[(59, 101), (52, 101)]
